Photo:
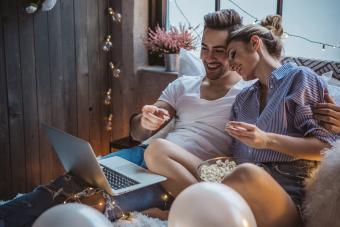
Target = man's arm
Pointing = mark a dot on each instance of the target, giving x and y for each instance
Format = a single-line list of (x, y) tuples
[(328, 114), (151, 120)]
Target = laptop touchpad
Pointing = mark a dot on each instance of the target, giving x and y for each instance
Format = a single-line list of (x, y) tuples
[(130, 169)]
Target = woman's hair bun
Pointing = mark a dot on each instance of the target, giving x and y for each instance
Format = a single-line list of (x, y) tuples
[(274, 24)]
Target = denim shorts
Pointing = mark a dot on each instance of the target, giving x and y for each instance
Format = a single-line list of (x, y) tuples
[(292, 176)]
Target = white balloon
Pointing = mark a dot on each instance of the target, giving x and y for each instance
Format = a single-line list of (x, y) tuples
[(210, 204), (48, 5), (72, 215)]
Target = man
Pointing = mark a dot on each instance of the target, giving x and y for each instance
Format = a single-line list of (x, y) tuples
[(201, 105)]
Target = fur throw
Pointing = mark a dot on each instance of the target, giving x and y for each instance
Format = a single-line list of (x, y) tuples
[(322, 202)]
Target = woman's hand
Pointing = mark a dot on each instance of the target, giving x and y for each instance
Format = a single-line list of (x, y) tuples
[(328, 114), (248, 134)]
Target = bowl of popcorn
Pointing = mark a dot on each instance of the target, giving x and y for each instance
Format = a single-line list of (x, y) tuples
[(214, 170)]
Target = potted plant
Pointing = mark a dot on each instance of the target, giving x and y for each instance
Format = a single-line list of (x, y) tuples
[(169, 43)]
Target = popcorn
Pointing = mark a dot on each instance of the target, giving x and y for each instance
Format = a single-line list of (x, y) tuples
[(216, 172)]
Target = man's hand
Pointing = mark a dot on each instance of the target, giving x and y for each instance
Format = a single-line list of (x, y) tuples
[(248, 134), (153, 117), (328, 114)]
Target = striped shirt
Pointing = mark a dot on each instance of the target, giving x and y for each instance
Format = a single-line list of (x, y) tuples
[(292, 92)]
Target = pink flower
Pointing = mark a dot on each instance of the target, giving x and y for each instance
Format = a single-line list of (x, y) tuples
[(161, 41)]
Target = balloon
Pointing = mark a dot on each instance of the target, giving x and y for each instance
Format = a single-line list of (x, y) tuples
[(210, 204), (72, 215)]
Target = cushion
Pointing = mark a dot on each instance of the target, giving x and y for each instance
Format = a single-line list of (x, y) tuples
[(333, 86), (322, 203), (190, 64)]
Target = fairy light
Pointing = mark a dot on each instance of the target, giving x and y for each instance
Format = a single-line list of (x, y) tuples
[(286, 34), (108, 202), (107, 44), (116, 17), (165, 197), (115, 70), (255, 20), (108, 97)]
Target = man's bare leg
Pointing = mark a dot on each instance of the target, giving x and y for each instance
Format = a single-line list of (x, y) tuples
[(174, 162)]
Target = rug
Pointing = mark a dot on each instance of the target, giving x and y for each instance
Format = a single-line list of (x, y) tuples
[(136, 220)]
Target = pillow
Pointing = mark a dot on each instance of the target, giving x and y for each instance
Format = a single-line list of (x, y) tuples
[(322, 202), (333, 86), (190, 64)]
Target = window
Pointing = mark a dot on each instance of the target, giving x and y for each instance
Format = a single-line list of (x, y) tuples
[(190, 13), (312, 19), (316, 20), (259, 8)]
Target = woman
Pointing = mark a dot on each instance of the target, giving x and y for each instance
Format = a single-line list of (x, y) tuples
[(272, 122), (272, 126)]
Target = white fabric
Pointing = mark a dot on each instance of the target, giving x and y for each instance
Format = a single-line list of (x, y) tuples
[(190, 64), (199, 123), (333, 86)]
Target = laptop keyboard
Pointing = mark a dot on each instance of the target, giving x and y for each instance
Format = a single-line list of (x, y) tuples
[(118, 180)]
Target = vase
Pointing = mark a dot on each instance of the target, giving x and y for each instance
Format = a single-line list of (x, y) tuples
[(171, 62)]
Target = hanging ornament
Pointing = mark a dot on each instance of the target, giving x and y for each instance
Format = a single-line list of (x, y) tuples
[(108, 126), (116, 17), (31, 6), (48, 5), (108, 97), (115, 70), (108, 44)]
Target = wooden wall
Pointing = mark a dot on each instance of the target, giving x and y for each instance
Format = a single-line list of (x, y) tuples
[(52, 70)]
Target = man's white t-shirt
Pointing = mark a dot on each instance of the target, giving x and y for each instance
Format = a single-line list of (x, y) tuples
[(199, 123)]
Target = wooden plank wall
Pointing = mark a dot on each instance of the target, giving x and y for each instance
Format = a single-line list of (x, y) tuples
[(52, 70)]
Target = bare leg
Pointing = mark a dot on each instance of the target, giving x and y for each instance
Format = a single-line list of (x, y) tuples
[(174, 162), (270, 204)]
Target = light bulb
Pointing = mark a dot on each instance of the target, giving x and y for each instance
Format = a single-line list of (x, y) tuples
[(108, 98), (116, 17), (165, 197), (285, 36), (31, 8), (115, 70), (108, 44)]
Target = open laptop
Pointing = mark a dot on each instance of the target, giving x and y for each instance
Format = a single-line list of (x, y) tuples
[(115, 175)]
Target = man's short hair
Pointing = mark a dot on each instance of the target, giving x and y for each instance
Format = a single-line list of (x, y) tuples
[(226, 19)]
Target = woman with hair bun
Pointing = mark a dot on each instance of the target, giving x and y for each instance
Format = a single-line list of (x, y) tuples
[(272, 125)]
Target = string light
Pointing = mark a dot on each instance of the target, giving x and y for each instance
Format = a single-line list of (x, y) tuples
[(115, 70), (116, 17), (165, 197), (108, 44), (287, 35), (108, 97), (109, 202), (31, 8)]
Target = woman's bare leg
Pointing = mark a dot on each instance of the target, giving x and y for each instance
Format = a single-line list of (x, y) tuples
[(174, 162), (270, 204)]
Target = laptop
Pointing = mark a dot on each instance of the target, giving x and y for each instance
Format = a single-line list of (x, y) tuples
[(115, 175)]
